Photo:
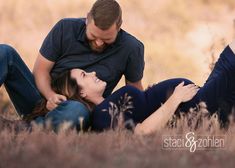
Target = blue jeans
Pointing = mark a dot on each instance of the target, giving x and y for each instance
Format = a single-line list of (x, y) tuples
[(72, 112), (20, 85)]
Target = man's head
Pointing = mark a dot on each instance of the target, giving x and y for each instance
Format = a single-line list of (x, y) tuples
[(103, 23)]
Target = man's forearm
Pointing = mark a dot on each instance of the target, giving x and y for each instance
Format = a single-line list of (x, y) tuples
[(41, 72), (43, 83)]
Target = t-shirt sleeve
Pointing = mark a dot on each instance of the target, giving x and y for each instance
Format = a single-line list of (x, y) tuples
[(135, 65), (51, 47)]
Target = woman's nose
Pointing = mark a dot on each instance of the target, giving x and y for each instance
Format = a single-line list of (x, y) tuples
[(93, 73)]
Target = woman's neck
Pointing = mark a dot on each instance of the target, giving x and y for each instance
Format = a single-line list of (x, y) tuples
[(96, 100)]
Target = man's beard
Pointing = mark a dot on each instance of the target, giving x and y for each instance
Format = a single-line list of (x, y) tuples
[(95, 48)]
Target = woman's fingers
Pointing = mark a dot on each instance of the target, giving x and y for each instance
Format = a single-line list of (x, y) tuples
[(190, 92), (185, 93), (191, 86), (180, 85)]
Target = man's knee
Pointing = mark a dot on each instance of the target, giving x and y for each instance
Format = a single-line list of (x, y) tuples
[(74, 113)]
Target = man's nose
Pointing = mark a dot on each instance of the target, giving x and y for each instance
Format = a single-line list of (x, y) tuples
[(99, 42)]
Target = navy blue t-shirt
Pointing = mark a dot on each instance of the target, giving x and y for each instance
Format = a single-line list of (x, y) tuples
[(67, 46)]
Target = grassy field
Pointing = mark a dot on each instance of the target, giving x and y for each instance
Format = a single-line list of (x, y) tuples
[(181, 39), (118, 148)]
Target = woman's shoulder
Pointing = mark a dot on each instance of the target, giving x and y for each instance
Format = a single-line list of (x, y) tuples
[(129, 88)]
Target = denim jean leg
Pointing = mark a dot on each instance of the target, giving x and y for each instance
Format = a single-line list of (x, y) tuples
[(18, 81), (72, 112)]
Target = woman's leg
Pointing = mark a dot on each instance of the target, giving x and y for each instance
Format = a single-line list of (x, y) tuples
[(18, 80), (219, 90)]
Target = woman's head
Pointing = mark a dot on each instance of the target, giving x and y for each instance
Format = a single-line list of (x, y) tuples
[(79, 85), (89, 85), (75, 84), (63, 84)]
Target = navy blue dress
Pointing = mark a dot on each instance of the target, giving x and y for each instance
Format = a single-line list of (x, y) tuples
[(136, 105)]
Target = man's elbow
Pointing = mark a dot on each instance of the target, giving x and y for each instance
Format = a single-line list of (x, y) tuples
[(34, 71), (37, 70), (137, 84)]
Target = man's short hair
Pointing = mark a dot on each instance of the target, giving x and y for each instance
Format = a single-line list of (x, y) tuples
[(105, 13)]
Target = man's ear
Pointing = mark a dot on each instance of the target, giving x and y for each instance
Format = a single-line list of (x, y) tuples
[(88, 17), (119, 26)]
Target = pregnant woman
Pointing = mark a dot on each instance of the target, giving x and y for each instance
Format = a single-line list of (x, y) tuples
[(148, 110)]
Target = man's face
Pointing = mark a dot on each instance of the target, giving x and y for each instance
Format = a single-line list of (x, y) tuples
[(99, 39)]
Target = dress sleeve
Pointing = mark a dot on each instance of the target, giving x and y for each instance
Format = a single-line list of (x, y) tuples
[(125, 106)]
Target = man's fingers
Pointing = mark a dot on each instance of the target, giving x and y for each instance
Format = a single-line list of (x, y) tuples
[(50, 106), (57, 99), (62, 97)]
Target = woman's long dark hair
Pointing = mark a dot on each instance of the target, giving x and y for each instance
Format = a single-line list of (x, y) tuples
[(63, 84)]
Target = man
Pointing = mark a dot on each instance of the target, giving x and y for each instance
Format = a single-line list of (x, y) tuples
[(96, 43)]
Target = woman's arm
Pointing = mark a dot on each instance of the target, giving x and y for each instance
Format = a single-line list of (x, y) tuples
[(160, 117)]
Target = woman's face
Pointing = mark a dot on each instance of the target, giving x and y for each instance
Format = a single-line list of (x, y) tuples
[(90, 85)]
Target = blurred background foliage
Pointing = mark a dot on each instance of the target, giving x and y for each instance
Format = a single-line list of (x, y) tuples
[(181, 37)]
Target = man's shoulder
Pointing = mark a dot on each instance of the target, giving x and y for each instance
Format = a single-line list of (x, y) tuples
[(129, 40), (72, 22)]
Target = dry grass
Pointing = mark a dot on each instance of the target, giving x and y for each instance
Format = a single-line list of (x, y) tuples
[(118, 148), (181, 38)]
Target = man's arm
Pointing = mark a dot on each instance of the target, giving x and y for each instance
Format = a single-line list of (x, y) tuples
[(137, 84), (41, 71)]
